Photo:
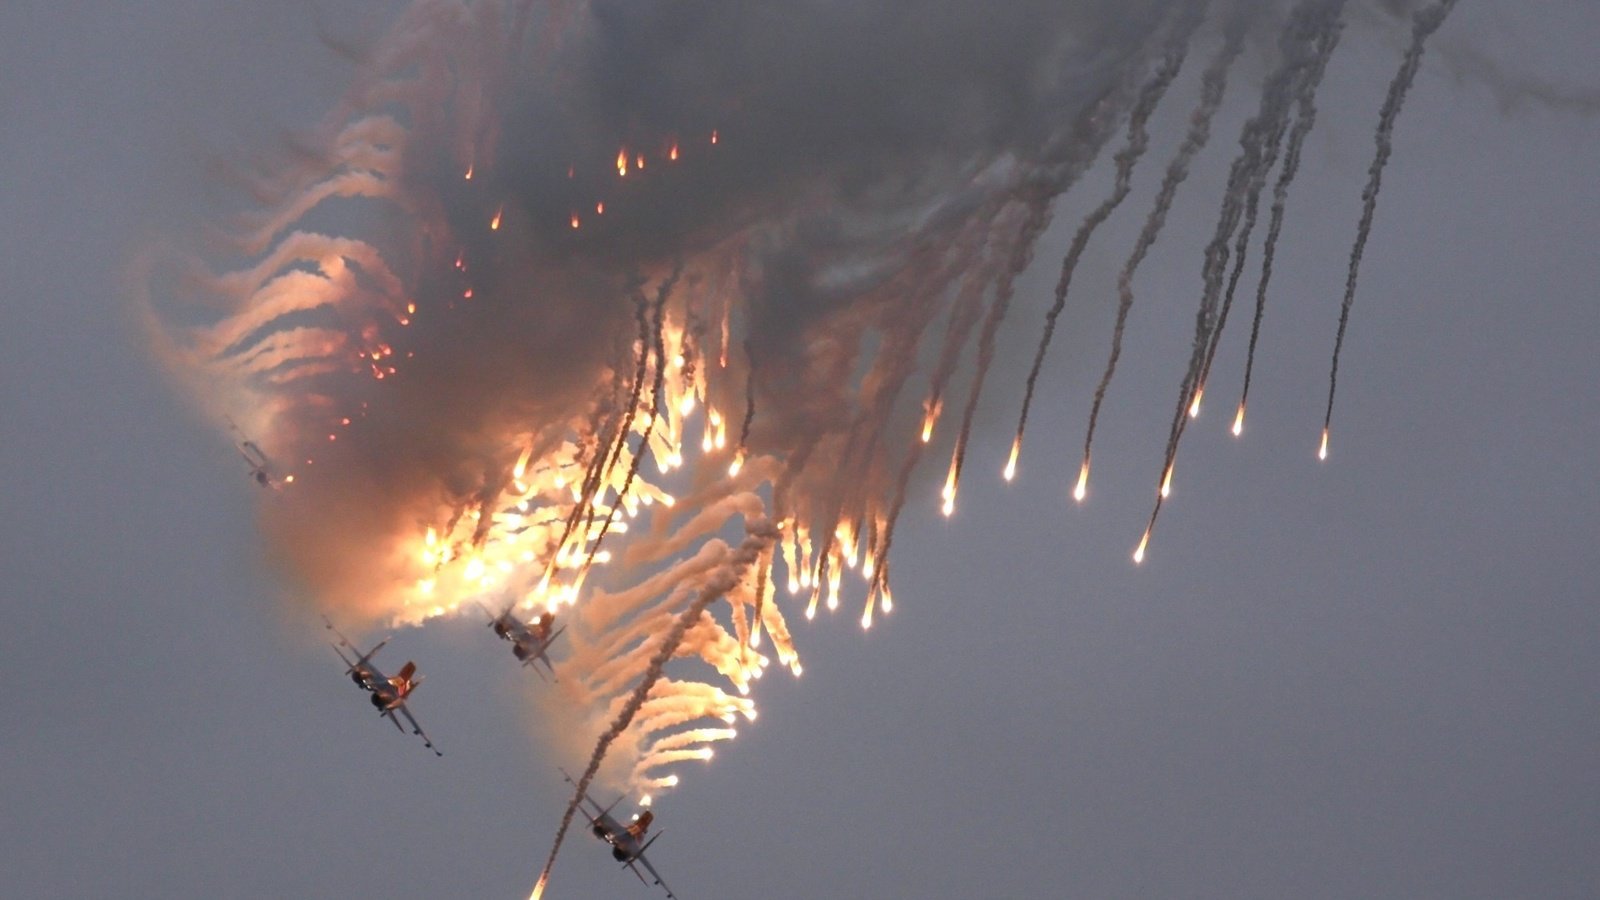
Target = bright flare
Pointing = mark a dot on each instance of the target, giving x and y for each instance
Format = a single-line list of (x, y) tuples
[(1011, 464), (949, 492), (1194, 407), (1322, 452), (1138, 554), (1166, 482), (494, 223), (622, 163), (1079, 492), (1238, 421)]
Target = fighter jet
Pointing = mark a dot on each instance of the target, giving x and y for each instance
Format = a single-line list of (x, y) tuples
[(529, 640), (261, 468), (627, 841), (388, 694)]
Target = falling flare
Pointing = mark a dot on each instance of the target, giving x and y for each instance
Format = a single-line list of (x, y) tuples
[(468, 176), (1138, 554), (949, 492), (622, 163), (672, 155), (1079, 492), (713, 136), (1322, 452), (494, 223), (600, 208), (574, 220), (1194, 407), (1238, 421), (1011, 464), (1166, 482)]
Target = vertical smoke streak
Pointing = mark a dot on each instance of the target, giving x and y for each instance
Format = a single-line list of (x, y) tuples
[(1093, 131), (1214, 84), (1259, 138), (1423, 24), (1305, 120), (658, 349), (1327, 42), (1126, 159)]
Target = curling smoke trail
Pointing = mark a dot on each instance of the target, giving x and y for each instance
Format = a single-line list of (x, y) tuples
[(1127, 157), (1258, 141), (1305, 120), (1213, 85), (1326, 42), (1424, 23)]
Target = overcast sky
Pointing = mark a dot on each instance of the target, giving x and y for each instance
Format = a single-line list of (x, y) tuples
[(1378, 676)]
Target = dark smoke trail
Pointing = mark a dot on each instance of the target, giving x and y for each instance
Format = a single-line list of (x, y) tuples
[(749, 400), (760, 534), (1126, 158), (1299, 43), (659, 349), (1425, 23), (1213, 85), (1327, 42), (1038, 212), (1306, 119), (610, 448)]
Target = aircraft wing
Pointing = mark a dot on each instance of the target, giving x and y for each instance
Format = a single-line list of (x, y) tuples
[(417, 729), (598, 811), (640, 859)]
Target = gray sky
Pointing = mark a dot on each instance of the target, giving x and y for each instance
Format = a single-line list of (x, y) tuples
[(1371, 677)]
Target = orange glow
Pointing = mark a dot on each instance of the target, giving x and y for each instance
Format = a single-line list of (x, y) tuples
[(600, 208), (638, 162), (1166, 482), (411, 309), (1238, 421), (538, 889), (1322, 452), (288, 479), (713, 136), (622, 163), (672, 155), (929, 417), (468, 176), (1194, 407), (574, 220), (466, 294), (1011, 464), (494, 223), (1138, 555), (1079, 492)]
